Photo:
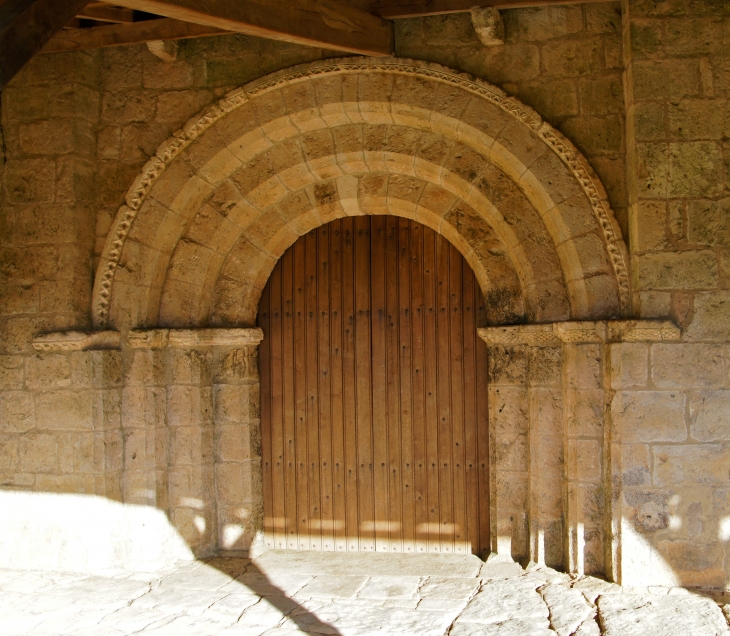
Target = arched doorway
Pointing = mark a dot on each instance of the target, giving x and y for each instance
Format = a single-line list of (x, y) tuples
[(374, 409)]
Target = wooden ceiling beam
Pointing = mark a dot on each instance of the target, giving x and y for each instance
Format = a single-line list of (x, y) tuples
[(26, 26), (123, 34), (107, 14), (322, 23), (393, 9)]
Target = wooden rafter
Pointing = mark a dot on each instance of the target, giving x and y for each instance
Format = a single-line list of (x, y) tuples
[(393, 9), (102, 13), (122, 34), (26, 26), (323, 23)]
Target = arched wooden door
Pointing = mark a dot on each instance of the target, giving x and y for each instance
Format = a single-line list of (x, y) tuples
[(374, 400)]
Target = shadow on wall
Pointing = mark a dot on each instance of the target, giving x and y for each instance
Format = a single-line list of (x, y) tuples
[(669, 540), (91, 534)]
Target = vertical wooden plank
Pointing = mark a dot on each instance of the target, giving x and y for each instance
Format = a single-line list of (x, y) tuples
[(430, 367), (482, 425), (457, 399), (312, 351), (324, 389), (337, 385), (263, 321), (277, 402), (443, 371), (379, 381), (405, 310), (289, 460), (287, 378), (363, 385), (393, 388), (300, 396), (471, 438), (352, 471), (418, 389)]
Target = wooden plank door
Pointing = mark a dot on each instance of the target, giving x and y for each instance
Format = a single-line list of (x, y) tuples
[(373, 389)]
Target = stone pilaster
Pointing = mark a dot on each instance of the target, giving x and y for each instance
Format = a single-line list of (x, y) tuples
[(553, 449)]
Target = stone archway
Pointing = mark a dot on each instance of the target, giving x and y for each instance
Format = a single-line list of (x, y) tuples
[(210, 215), (205, 222)]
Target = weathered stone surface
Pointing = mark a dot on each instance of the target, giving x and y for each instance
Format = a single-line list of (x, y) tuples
[(568, 608), (650, 416), (504, 600), (651, 615)]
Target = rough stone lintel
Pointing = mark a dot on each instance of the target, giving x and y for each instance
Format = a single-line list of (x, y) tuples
[(194, 338), (76, 341), (582, 332)]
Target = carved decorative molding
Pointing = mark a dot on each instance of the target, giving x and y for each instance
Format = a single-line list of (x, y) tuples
[(193, 338), (582, 332), (533, 335), (76, 341), (233, 100)]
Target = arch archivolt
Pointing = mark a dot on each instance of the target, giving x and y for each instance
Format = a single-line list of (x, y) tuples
[(206, 221)]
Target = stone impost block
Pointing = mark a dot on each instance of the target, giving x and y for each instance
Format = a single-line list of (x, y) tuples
[(76, 341)]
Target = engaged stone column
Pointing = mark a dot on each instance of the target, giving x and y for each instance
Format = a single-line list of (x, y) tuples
[(559, 482), (238, 443), (191, 432), (526, 442)]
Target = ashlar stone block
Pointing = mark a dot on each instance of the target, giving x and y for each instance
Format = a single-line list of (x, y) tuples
[(680, 366), (629, 365), (649, 416), (17, 411), (691, 463), (710, 416)]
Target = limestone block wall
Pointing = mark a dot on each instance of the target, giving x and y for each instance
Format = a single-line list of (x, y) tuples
[(164, 420), (678, 83), (670, 431), (48, 198)]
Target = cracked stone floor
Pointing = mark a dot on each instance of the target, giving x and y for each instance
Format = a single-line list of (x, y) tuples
[(348, 594)]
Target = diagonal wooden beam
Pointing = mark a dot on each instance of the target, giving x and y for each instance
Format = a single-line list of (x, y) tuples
[(122, 34), (392, 9), (26, 26), (107, 14), (322, 23)]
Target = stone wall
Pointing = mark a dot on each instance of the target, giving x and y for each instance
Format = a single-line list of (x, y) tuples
[(608, 455), (674, 421)]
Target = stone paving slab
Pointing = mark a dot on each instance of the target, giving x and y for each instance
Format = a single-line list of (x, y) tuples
[(319, 593), (345, 563)]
